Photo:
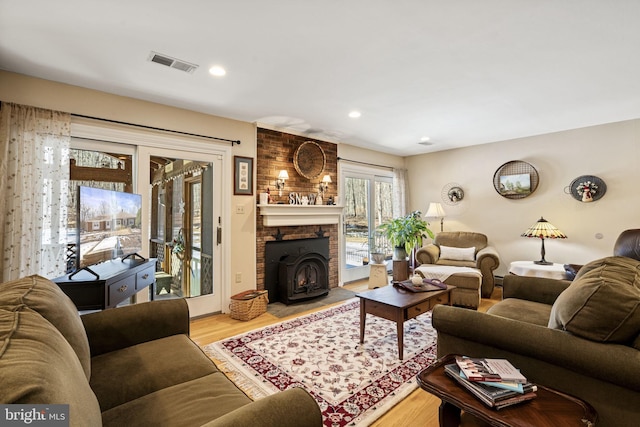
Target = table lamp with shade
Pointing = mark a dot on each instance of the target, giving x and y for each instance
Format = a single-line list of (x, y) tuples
[(435, 211), (544, 230)]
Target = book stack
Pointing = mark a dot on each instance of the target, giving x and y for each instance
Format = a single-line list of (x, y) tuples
[(495, 382)]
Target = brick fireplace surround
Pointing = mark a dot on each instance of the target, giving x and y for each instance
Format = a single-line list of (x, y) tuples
[(275, 152)]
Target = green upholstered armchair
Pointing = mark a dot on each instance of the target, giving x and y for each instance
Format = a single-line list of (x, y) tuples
[(485, 258)]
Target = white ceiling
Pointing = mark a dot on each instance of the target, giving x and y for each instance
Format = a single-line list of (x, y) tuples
[(461, 72)]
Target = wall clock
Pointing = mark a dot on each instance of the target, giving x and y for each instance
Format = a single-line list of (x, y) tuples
[(309, 160), (452, 193), (587, 188)]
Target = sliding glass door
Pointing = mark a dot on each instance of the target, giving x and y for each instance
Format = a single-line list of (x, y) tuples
[(367, 194), (185, 205)]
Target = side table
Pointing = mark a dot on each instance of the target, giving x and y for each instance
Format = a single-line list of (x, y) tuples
[(400, 270), (549, 408), (378, 276), (529, 268)]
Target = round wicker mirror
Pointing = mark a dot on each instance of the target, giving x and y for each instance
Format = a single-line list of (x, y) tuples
[(309, 160)]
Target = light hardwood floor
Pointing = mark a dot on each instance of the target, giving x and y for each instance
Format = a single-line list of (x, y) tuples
[(418, 409)]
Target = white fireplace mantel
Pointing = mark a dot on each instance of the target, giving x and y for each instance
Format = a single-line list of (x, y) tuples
[(274, 215)]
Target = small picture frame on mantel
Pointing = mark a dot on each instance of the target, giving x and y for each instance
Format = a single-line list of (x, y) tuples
[(242, 176)]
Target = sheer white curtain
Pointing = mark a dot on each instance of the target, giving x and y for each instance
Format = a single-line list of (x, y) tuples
[(399, 192), (34, 181)]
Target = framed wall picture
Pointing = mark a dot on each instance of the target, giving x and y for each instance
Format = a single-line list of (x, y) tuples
[(242, 176)]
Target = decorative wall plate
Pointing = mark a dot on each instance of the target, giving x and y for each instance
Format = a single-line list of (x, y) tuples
[(309, 160), (452, 193), (587, 188), (515, 179)]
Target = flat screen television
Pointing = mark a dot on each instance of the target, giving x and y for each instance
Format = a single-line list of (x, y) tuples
[(108, 225)]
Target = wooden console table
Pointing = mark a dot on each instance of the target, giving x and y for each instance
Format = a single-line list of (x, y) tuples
[(549, 408), (107, 284)]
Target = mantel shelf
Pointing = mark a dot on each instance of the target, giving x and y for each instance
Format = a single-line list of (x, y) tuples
[(274, 215)]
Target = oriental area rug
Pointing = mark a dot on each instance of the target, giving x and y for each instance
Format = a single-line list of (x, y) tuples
[(353, 383)]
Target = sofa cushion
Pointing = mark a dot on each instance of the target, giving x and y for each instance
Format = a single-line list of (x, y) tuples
[(38, 366), (46, 298), (146, 368), (461, 239), (457, 254), (192, 403), (603, 302)]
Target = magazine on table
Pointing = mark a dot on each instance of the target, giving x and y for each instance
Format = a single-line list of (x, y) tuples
[(485, 369), (490, 395)]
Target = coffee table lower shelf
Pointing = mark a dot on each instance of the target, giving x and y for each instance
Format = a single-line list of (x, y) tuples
[(549, 408)]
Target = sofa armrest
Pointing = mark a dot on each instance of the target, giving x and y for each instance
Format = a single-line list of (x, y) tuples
[(549, 356), (487, 260), (537, 289), (122, 327), (290, 408), (428, 254)]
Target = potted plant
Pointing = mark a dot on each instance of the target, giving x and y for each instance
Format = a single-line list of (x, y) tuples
[(379, 248), (405, 233)]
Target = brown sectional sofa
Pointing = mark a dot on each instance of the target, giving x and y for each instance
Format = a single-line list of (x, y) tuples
[(580, 337), (133, 366)]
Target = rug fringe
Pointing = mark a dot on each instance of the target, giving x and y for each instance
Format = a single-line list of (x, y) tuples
[(386, 407), (232, 371)]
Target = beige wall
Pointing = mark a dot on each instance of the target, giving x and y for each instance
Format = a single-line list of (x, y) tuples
[(56, 96), (76, 100), (610, 152), (350, 152)]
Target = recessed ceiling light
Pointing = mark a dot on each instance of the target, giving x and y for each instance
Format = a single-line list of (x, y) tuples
[(425, 139), (217, 71), (355, 114)]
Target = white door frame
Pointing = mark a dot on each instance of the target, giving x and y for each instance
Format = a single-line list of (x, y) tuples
[(150, 141), (365, 172)]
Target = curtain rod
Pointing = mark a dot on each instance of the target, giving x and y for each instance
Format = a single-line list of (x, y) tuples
[(365, 163), (232, 141)]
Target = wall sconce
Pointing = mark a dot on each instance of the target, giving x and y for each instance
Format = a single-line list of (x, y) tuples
[(282, 177), (324, 184)]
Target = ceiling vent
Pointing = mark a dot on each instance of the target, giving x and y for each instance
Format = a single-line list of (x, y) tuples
[(168, 61)]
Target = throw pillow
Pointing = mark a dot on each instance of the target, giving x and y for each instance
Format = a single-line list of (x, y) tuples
[(458, 254), (603, 303)]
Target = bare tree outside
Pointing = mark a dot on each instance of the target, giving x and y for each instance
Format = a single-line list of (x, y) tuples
[(360, 240)]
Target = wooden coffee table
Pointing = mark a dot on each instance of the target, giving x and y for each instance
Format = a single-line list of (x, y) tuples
[(549, 408), (399, 305)]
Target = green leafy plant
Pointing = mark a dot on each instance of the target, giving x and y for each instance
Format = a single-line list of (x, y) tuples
[(406, 231)]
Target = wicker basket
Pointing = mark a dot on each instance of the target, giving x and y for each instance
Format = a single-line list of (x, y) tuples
[(248, 304)]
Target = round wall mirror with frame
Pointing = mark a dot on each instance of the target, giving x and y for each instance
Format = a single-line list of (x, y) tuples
[(515, 180)]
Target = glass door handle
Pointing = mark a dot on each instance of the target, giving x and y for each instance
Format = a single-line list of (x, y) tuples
[(219, 236)]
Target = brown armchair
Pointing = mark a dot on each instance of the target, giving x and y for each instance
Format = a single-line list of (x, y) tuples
[(486, 258)]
